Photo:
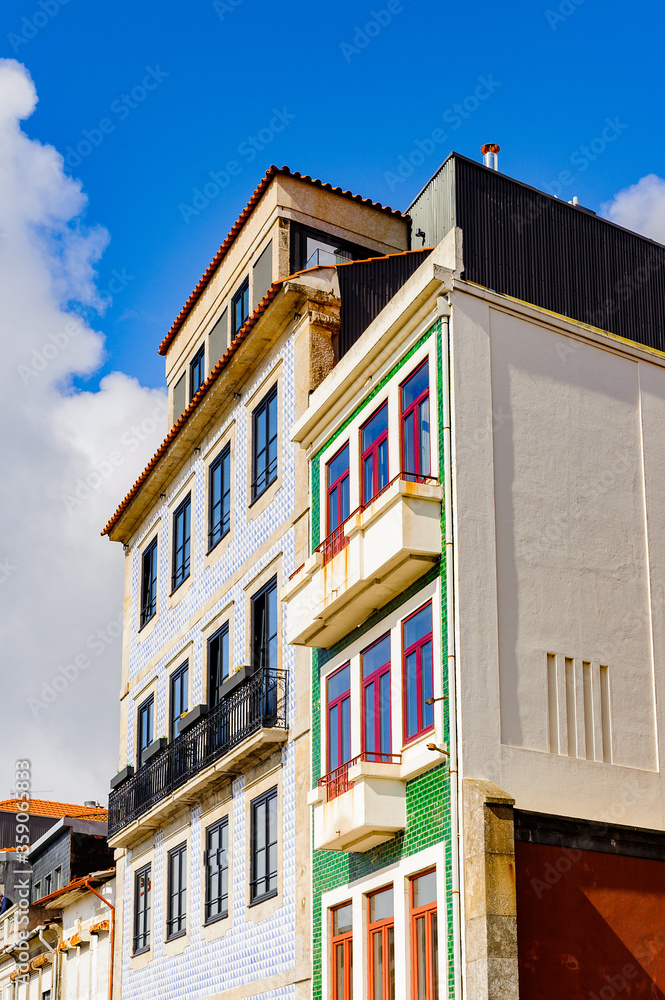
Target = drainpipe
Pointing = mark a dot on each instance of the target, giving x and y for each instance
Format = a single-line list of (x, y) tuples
[(54, 961), (111, 935), (443, 309)]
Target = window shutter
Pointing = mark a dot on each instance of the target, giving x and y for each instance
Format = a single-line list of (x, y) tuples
[(179, 397), (217, 339), (262, 276)]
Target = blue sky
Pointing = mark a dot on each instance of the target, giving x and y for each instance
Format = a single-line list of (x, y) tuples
[(354, 101)]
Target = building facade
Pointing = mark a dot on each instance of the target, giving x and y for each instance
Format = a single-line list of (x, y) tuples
[(208, 812)]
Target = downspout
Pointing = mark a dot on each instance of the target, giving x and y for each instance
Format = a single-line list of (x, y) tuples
[(443, 309), (111, 935), (54, 961)]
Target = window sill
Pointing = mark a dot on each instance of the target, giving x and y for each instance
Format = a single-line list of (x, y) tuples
[(216, 919), (262, 899)]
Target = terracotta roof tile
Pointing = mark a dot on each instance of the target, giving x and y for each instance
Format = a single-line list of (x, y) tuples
[(42, 807), (240, 222)]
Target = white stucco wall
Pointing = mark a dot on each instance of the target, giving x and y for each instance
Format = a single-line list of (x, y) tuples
[(559, 493)]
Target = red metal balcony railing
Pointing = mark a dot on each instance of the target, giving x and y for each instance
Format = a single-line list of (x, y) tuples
[(337, 539), (337, 781)]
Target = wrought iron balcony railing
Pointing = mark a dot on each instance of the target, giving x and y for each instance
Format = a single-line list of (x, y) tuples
[(259, 704)]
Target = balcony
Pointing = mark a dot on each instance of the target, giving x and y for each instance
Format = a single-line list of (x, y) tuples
[(379, 551), (244, 728), (359, 805)]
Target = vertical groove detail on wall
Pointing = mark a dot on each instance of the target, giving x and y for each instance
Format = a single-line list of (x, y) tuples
[(552, 703), (605, 713), (571, 718), (588, 709)]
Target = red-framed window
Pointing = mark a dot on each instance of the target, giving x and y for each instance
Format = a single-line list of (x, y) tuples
[(418, 672), (377, 736), (414, 391), (424, 945), (342, 952), (374, 453), (381, 932), (338, 690), (337, 477)]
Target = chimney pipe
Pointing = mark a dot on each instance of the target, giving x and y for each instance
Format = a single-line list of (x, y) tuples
[(490, 153)]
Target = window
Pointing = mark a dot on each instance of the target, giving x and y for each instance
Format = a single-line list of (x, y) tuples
[(338, 726), (58, 877), (376, 700), (264, 627), (38, 890), (46, 995), (338, 488), (217, 871), (218, 663), (48, 887), (342, 952), (381, 929), (374, 453), (146, 716), (240, 308), (418, 673), (415, 423), (424, 956), (182, 536), (179, 698), (176, 914), (264, 444), (149, 583), (197, 371), (142, 894), (219, 499), (263, 878)]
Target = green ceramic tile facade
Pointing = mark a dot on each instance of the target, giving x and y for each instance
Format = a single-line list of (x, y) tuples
[(427, 796)]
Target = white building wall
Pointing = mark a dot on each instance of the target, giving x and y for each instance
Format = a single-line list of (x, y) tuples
[(559, 486)]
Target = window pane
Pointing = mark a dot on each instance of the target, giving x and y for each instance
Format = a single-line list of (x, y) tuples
[(377, 966), (346, 729), (376, 656), (418, 626), (339, 682), (415, 386), (338, 465), (409, 446), (425, 468), (260, 826), (333, 738), (411, 694), (381, 905), (370, 728), (391, 965), (375, 427), (434, 971), (424, 890), (421, 960), (339, 972), (342, 919), (427, 681), (345, 498), (384, 712), (368, 478), (383, 464), (332, 511)]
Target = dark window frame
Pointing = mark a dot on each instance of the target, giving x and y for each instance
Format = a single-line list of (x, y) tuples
[(57, 877), (240, 308), (214, 690), (197, 371), (148, 703), (221, 827), (176, 678), (260, 651), (219, 525), (299, 235), (182, 551), (263, 477), (141, 938), (176, 908), (263, 800), (148, 608)]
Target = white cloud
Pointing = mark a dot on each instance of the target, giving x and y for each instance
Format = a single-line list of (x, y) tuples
[(640, 207), (68, 458)]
